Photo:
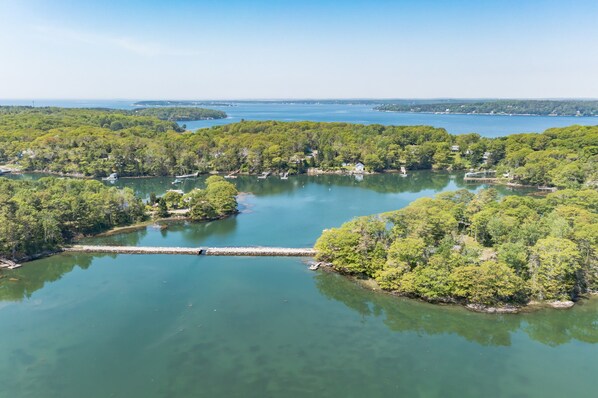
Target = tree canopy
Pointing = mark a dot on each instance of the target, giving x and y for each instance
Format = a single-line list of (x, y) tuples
[(475, 248), (41, 215), (176, 113), (95, 142)]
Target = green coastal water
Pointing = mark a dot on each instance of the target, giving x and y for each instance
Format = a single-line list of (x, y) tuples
[(181, 326)]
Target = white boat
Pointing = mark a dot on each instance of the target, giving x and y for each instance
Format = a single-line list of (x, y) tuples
[(403, 171), (264, 175), (188, 175), (177, 181), (111, 177), (285, 176)]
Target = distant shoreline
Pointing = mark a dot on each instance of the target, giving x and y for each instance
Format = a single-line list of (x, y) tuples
[(483, 114)]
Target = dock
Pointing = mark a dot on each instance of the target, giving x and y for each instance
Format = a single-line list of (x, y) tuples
[(196, 251), (481, 176)]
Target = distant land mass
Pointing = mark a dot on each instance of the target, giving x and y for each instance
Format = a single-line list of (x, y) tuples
[(502, 107), (170, 114), (181, 103), (180, 113), (305, 101)]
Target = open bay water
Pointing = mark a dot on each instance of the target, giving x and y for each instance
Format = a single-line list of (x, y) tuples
[(485, 125), (181, 326)]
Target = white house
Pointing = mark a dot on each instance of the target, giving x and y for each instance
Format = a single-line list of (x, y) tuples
[(455, 148), (359, 167)]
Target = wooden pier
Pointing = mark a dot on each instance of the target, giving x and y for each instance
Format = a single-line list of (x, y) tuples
[(196, 251), (481, 176)]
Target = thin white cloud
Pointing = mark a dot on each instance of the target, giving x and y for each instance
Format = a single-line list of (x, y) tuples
[(128, 44)]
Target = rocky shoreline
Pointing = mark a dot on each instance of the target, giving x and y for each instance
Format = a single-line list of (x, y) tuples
[(371, 284)]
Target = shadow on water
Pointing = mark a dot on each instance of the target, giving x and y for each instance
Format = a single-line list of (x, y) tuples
[(550, 327), (21, 283)]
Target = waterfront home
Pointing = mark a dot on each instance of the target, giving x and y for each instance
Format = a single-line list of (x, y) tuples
[(455, 148), (359, 167)]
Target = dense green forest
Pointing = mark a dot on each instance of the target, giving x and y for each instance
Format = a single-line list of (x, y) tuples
[(100, 142), (37, 216), (41, 215), (475, 249), (503, 107), (217, 200), (180, 113)]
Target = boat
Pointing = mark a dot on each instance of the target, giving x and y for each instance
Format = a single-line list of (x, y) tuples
[(188, 175), (177, 181), (4, 171), (229, 176), (285, 176), (111, 177), (314, 266), (264, 175), (403, 171)]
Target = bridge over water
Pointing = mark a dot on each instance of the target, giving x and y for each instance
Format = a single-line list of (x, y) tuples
[(196, 251)]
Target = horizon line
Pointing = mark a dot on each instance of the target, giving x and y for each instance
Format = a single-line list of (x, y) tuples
[(265, 99)]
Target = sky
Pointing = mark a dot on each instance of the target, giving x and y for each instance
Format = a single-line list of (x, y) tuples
[(265, 49)]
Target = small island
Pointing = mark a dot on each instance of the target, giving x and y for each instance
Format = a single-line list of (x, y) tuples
[(488, 253), (500, 107)]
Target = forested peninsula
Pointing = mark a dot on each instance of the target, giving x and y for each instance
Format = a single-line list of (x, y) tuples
[(478, 250), (40, 216), (181, 114), (91, 142), (501, 107)]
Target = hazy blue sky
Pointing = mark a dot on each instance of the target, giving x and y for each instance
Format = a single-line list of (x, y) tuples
[(303, 49)]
